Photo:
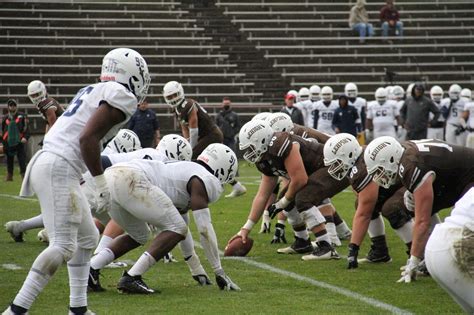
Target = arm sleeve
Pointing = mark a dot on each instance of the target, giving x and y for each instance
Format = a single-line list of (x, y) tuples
[(193, 136), (208, 237)]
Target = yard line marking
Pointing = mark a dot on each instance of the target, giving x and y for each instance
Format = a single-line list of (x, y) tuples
[(346, 292), (11, 267), (18, 197)]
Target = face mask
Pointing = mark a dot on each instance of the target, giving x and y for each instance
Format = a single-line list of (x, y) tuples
[(226, 107)]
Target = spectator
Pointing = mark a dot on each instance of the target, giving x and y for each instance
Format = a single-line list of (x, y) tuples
[(415, 113), (228, 121), (145, 124), (346, 117), (390, 18), (14, 136), (295, 114), (359, 21)]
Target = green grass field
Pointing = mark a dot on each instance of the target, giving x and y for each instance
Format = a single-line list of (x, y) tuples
[(291, 287)]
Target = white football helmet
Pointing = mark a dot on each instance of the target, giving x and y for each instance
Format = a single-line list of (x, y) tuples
[(389, 90), (381, 95), (326, 93), (175, 147), (254, 139), (126, 66), (37, 91), (351, 90), (261, 116), (454, 92), (466, 94), (280, 122), (173, 93), (303, 94), (436, 93), (125, 141), (410, 88), (293, 92), (340, 154), (221, 160), (382, 157), (398, 92), (314, 93)]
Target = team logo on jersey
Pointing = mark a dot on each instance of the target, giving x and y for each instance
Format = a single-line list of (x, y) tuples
[(378, 149)]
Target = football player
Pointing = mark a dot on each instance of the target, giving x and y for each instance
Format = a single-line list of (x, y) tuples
[(47, 106), (146, 191), (468, 122), (399, 98), (305, 104), (436, 130), (71, 146), (452, 108), (196, 125), (351, 91), (324, 111), (300, 161), (381, 114), (344, 157), (436, 174)]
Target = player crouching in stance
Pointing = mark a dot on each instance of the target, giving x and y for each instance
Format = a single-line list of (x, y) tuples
[(435, 174), (146, 191), (345, 158), (283, 154)]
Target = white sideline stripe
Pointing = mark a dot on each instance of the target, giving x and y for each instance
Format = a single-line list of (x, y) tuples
[(11, 267), (18, 197), (348, 293)]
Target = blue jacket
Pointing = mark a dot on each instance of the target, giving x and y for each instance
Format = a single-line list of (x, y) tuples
[(345, 120)]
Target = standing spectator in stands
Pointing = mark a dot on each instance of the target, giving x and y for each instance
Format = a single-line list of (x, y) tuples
[(228, 121), (359, 21), (390, 18), (295, 114), (145, 124), (14, 136), (346, 117), (415, 113)]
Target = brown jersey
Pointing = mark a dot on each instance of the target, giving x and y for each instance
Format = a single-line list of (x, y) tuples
[(273, 161), (453, 167), (307, 132), (48, 103), (206, 124)]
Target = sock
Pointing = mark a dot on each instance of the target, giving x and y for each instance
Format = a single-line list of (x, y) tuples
[(78, 269), (43, 268), (379, 242), (405, 233), (342, 228), (322, 236), (237, 185), (103, 243), (145, 262), (337, 219), (102, 259), (233, 182), (194, 265), (376, 227), (31, 223), (302, 234), (330, 226), (281, 222)]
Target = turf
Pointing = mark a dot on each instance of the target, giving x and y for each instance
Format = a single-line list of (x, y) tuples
[(263, 291)]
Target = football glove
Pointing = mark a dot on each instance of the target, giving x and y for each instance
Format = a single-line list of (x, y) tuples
[(409, 201), (224, 282), (279, 236), (102, 195), (266, 223), (409, 273), (278, 206), (459, 130), (202, 279), (352, 256)]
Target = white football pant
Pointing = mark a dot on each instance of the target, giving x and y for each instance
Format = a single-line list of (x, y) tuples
[(435, 133)]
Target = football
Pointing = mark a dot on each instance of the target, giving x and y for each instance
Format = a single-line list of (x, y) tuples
[(237, 248)]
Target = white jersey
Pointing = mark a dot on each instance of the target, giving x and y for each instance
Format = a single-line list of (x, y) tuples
[(306, 108), (456, 110), (146, 153), (63, 138), (382, 117), (439, 105), (325, 114), (172, 178), (360, 104), (463, 210), (469, 107), (107, 151)]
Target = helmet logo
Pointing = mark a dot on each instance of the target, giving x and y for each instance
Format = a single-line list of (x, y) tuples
[(254, 130), (378, 149), (340, 144)]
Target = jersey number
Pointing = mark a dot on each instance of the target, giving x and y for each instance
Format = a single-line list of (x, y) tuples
[(77, 101), (424, 145)]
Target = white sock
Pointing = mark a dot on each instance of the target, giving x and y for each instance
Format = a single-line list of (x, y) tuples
[(282, 221), (376, 227), (302, 234), (43, 268), (405, 233), (78, 268), (102, 259), (237, 186), (145, 262), (103, 243), (342, 228), (331, 229), (324, 237), (195, 266), (31, 223)]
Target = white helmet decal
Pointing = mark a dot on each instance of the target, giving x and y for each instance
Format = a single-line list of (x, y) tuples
[(125, 141), (221, 160), (175, 147)]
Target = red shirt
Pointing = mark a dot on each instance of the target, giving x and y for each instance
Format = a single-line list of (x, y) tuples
[(389, 14)]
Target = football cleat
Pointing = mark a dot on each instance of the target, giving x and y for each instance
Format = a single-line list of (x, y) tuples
[(346, 235), (43, 236), (202, 279), (117, 264), (133, 285), (377, 255), (93, 283), (237, 192), (324, 251), (12, 228), (9, 311), (299, 246), (88, 312)]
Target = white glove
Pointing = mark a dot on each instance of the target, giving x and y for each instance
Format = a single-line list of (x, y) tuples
[(266, 223), (102, 194), (224, 282), (409, 201), (369, 135), (409, 272)]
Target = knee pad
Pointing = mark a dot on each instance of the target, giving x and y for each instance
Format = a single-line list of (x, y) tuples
[(398, 219), (312, 217), (294, 217)]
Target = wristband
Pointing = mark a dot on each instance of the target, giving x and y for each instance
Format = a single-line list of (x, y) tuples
[(248, 225)]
